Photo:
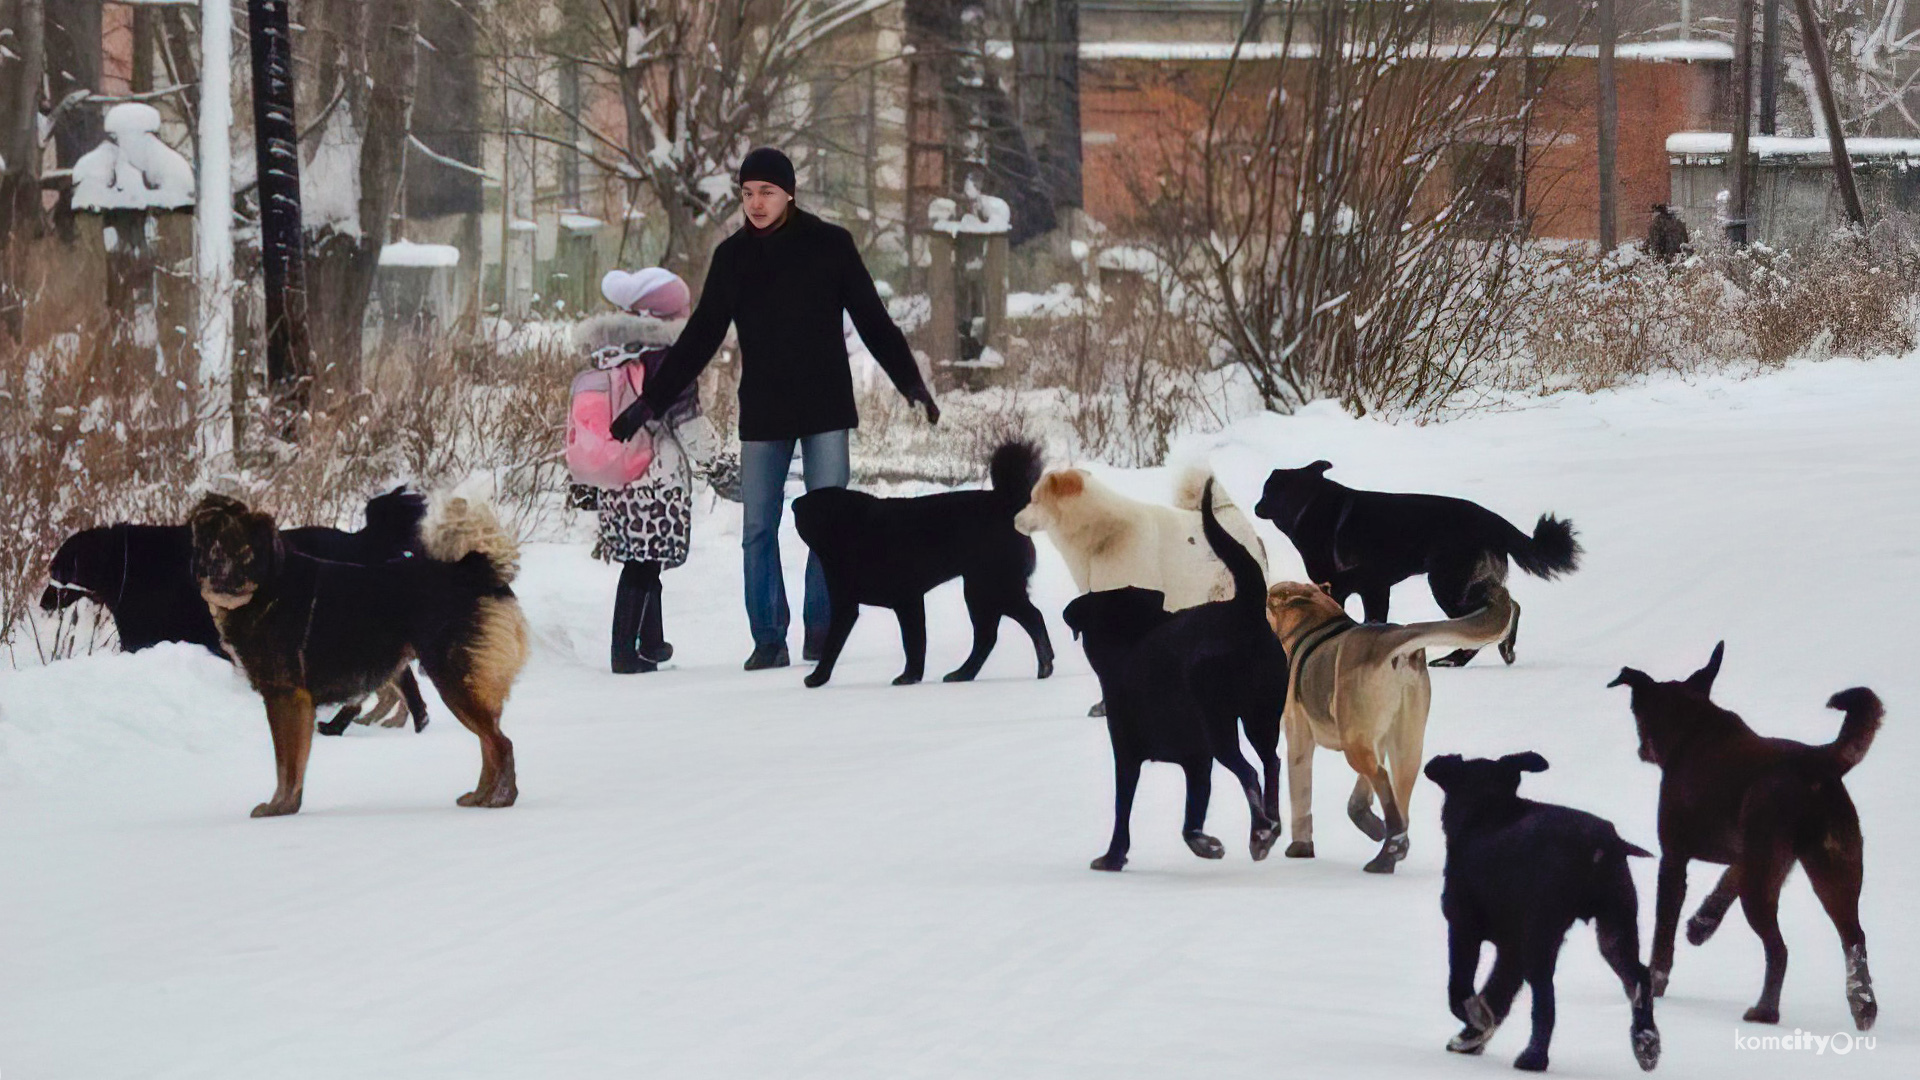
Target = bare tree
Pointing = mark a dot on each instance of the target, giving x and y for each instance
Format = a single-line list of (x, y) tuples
[(22, 67), (1350, 224)]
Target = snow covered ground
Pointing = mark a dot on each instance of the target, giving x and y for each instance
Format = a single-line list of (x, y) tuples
[(715, 874)]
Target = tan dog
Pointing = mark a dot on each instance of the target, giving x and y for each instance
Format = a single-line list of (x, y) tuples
[(1110, 541), (1362, 689)]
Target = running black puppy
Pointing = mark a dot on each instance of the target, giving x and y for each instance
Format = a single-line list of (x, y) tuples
[(143, 576), (891, 552), (307, 631), (1367, 541), (1519, 873), (1758, 805), (1175, 684)]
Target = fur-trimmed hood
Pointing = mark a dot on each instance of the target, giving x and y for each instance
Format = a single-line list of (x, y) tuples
[(620, 327)]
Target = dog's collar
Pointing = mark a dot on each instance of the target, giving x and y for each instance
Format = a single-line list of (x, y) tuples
[(1317, 637)]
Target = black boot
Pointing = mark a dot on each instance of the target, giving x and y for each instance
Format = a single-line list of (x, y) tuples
[(628, 600), (654, 647), (771, 654)]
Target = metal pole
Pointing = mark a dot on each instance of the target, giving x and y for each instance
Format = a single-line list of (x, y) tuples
[(1769, 63), (1740, 160), (1609, 135)]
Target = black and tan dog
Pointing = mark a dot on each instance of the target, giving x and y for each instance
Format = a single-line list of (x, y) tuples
[(1519, 874), (1757, 805), (143, 576), (1178, 687), (307, 631), (1367, 541)]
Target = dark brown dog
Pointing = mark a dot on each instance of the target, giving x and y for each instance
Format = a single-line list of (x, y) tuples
[(308, 631), (1757, 805)]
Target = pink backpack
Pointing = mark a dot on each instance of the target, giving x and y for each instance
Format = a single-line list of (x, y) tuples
[(594, 456)]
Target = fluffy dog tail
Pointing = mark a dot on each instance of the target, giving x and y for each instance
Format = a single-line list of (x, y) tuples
[(1483, 627), (459, 527), (1249, 581), (1863, 715), (1192, 486), (1014, 469), (394, 518), (1549, 552)]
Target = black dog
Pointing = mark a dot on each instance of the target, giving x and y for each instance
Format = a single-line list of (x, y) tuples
[(1175, 684), (307, 631), (143, 576), (1367, 541), (1519, 873), (891, 552), (1758, 805)]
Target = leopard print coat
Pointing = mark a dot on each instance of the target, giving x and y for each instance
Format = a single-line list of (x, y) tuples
[(651, 518)]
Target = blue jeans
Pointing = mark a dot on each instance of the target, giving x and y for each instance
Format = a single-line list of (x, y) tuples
[(763, 494)]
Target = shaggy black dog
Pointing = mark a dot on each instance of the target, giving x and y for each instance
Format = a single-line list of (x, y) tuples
[(1175, 684), (1367, 541), (143, 576), (307, 631), (1519, 873), (1758, 805), (890, 552)]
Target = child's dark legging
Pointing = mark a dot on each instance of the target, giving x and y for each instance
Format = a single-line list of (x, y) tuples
[(639, 637)]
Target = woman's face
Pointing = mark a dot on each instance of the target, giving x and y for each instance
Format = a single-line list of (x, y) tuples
[(764, 202)]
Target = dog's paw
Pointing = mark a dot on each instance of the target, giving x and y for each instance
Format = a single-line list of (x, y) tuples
[(1099, 708), (277, 809), (1110, 863), (1531, 1059), (906, 678), (1300, 849), (1700, 928), (1391, 852), (1262, 841), (1646, 1047), (817, 678), (956, 675), (502, 795), (1456, 658), (1507, 652), (1205, 846), (1470, 1040), (1046, 668), (1479, 1029), (332, 727), (1762, 1014)]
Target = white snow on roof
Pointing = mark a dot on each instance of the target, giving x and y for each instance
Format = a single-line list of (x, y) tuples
[(577, 222), (132, 169), (1689, 50), (408, 253), (1707, 143)]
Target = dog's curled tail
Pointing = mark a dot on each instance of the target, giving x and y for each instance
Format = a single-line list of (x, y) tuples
[(458, 527), (1013, 471), (396, 517), (1863, 715), (1191, 487), (1249, 581), (1549, 552)]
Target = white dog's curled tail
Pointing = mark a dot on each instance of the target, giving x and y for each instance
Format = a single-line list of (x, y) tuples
[(1192, 483), (457, 527)]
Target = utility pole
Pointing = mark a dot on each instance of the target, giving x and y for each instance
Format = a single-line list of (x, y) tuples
[(213, 204), (1769, 64), (1814, 44), (276, 142), (1609, 139), (1740, 160)]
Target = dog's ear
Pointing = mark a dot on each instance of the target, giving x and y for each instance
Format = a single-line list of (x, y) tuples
[(264, 537), (1631, 677), (1525, 761), (1702, 680), (1075, 613), (1441, 769), (1065, 484), (1319, 468)]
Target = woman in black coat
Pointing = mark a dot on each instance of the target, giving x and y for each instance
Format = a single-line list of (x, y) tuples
[(783, 280)]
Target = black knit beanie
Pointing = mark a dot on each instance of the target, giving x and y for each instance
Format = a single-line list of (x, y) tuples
[(769, 166)]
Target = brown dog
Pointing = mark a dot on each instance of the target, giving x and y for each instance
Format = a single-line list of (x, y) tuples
[(1362, 689), (1758, 805), (310, 632)]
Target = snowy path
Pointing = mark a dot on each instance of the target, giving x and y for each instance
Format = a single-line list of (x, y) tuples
[(714, 874)]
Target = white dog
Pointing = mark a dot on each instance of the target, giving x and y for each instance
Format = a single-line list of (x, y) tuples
[(1110, 541)]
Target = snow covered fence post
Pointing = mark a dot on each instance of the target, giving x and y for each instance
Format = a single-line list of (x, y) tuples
[(213, 235)]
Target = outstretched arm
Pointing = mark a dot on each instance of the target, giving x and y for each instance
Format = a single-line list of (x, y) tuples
[(877, 329), (688, 356)]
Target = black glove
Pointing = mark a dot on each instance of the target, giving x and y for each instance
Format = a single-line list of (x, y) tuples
[(631, 420)]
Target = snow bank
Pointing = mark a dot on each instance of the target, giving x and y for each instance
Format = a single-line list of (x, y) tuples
[(1709, 143), (408, 253)]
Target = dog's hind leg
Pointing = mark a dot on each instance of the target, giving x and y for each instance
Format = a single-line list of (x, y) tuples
[(338, 725), (1487, 1010), (1834, 868), (416, 704), (1374, 598), (1761, 877), (1453, 589), (1617, 929), (1508, 647), (985, 615), (1199, 793), (290, 718), (1264, 830), (1670, 895), (913, 637), (498, 786), (1126, 778), (1545, 956), (1463, 963), (1393, 848), (1299, 784), (1714, 908), (1023, 612), (1360, 810), (1264, 733)]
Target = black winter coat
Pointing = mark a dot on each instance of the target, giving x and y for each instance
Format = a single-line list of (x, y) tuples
[(784, 291)]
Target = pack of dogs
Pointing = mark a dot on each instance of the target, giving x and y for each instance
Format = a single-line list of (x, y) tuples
[(1193, 650)]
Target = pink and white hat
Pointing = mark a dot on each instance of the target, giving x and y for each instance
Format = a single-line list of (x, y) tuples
[(654, 291)]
